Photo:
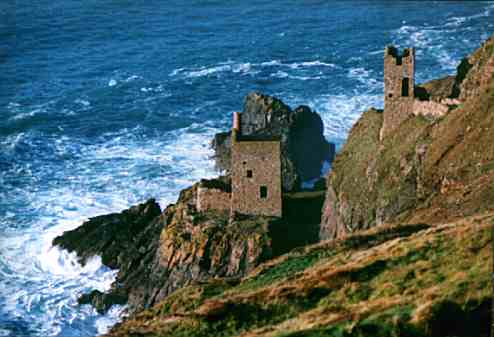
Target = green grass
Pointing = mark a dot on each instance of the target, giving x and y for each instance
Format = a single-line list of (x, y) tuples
[(281, 271)]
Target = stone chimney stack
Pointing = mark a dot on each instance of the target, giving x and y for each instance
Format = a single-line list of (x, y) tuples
[(236, 120), (236, 126)]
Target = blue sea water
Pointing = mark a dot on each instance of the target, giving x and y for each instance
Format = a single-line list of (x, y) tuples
[(105, 103)]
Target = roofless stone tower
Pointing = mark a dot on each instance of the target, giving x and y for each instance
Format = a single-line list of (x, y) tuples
[(256, 173), (399, 84), (255, 177)]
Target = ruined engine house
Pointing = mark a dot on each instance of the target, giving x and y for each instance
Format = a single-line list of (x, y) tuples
[(400, 99), (255, 177)]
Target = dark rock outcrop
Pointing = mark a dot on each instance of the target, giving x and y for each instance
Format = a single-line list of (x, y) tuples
[(126, 241), (299, 130), (115, 237), (435, 90), (101, 301)]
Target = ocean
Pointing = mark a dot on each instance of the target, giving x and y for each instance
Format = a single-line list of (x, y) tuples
[(105, 104)]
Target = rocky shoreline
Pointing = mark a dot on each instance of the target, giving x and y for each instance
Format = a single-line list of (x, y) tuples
[(387, 202), (157, 252)]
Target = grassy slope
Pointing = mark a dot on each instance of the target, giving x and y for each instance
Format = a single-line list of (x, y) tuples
[(409, 280)]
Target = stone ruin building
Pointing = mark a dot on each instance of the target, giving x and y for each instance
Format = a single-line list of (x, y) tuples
[(400, 97), (255, 178), (256, 186)]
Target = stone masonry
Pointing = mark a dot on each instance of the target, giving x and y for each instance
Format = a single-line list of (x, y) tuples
[(255, 178), (399, 92), (212, 199), (256, 174), (399, 83)]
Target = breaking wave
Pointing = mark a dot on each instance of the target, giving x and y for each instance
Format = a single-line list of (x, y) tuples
[(40, 284), (247, 68)]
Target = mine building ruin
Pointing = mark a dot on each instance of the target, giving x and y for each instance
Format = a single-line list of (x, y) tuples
[(400, 97), (255, 178)]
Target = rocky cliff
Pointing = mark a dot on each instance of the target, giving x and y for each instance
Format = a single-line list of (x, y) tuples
[(429, 169), (411, 219), (159, 252), (429, 185), (298, 129)]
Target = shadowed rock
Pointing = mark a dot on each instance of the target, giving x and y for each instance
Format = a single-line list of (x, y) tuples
[(303, 146)]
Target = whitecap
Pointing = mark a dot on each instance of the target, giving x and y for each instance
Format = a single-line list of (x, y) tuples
[(13, 105), (208, 71), (316, 64), (377, 52), (455, 21), (82, 102), (67, 112), (305, 78), (176, 71), (246, 68), (242, 67), (132, 78), (26, 115), (279, 74), (271, 63), (13, 140), (112, 83)]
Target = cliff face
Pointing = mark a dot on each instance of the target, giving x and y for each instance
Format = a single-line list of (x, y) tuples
[(157, 252), (298, 129), (427, 169)]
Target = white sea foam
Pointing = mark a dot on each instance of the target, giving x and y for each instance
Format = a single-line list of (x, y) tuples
[(26, 115), (112, 83), (45, 281), (455, 21), (305, 78), (247, 68), (279, 74), (310, 64), (424, 36), (377, 52), (83, 102), (208, 71), (13, 105), (271, 63), (132, 78), (340, 112), (41, 283), (176, 72), (115, 314)]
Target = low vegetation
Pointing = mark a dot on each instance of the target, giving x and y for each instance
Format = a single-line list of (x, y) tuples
[(402, 280)]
